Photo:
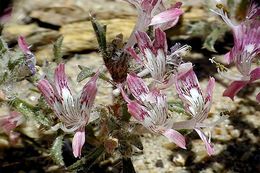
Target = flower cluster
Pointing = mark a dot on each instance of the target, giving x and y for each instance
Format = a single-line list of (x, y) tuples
[(150, 107), (246, 48), (154, 57), (72, 111), (154, 13)]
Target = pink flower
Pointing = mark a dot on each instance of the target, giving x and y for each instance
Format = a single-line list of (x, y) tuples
[(196, 102), (150, 108), (5, 15), (73, 111), (246, 48), (9, 122), (30, 60), (153, 12), (154, 56)]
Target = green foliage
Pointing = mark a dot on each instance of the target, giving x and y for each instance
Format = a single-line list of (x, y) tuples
[(216, 34), (85, 73), (29, 111), (57, 50), (100, 31), (56, 150), (176, 106), (210, 32)]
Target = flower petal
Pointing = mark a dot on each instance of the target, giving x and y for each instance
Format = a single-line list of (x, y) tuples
[(228, 57), (234, 88), (209, 94), (166, 16), (60, 79), (78, 142), (47, 91), (258, 97), (160, 41), (137, 111), (175, 137), (143, 41), (208, 145), (89, 92), (132, 52), (136, 86), (23, 45), (6, 14), (255, 74)]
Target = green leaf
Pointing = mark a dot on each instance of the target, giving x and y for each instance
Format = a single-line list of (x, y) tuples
[(177, 107), (217, 33), (100, 31), (87, 161), (85, 73), (56, 150), (57, 51), (29, 111)]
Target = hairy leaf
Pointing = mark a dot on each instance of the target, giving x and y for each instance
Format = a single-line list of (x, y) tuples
[(85, 73), (57, 51), (100, 31), (56, 150), (217, 33)]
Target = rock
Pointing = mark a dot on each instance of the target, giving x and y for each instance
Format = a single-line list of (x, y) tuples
[(179, 159), (12, 31), (44, 53), (159, 163), (80, 36), (35, 35)]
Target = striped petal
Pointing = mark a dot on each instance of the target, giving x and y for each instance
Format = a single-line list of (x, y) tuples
[(89, 92), (60, 79), (209, 147), (78, 142), (137, 86), (234, 88), (166, 16), (47, 91), (175, 137)]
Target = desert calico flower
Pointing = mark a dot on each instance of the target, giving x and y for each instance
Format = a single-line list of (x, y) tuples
[(72, 110), (155, 57), (9, 122), (196, 102), (151, 109), (246, 48), (153, 12)]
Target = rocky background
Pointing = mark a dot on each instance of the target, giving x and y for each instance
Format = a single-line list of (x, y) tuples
[(236, 140)]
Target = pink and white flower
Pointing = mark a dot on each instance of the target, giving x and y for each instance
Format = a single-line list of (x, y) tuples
[(150, 108), (73, 111), (246, 48), (30, 60), (5, 15), (196, 102), (155, 58), (9, 122), (153, 12)]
